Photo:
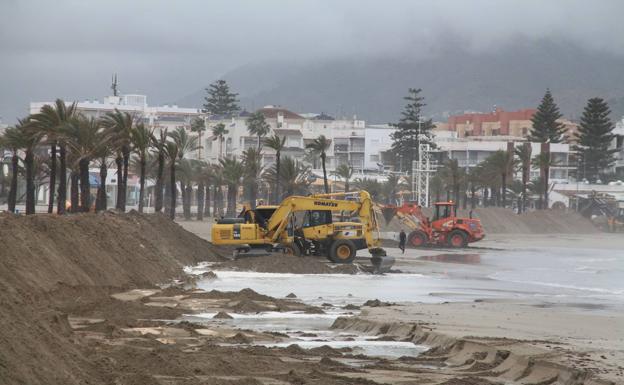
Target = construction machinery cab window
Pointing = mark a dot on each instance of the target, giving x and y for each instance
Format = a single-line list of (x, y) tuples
[(443, 211), (316, 218)]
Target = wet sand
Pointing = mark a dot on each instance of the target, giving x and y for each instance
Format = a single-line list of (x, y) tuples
[(559, 325)]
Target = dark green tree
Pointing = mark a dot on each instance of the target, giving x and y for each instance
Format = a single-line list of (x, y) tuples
[(594, 138), (411, 129), (546, 128), (220, 101)]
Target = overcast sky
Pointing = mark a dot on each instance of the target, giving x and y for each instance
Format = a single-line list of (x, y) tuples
[(168, 49)]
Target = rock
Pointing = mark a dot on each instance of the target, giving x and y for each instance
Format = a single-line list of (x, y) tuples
[(209, 275), (376, 303), (222, 315), (351, 307), (291, 295)]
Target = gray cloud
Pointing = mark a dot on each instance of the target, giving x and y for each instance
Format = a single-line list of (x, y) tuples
[(167, 49)]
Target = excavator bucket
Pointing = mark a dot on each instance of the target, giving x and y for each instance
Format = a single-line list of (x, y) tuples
[(381, 262), (388, 213)]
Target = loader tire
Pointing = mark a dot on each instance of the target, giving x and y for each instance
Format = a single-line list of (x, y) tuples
[(292, 250), (342, 251), (457, 239), (417, 239)]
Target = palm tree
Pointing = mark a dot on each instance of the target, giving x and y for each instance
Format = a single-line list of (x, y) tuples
[(544, 162), (276, 144), (391, 187), (373, 187), (83, 137), (186, 172), (120, 125), (524, 157), (252, 163), (218, 133), (141, 138), (185, 144), (452, 175), (198, 125), (320, 146), (474, 179), (171, 150), (160, 144), (233, 171), (256, 125), (16, 138), (217, 195), (344, 171), (202, 177), (503, 164), (436, 185), (47, 124)]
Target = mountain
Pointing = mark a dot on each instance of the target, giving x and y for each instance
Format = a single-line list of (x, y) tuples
[(453, 79)]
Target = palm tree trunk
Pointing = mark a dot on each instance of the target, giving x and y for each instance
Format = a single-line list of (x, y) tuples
[(126, 161), (207, 201), (187, 201), (215, 198), (120, 192), (101, 201), (524, 191), (504, 189), (277, 195), (347, 185), (74, 196), (85, 185), (546, 177), (172, 209), (324, 173), (62, 188), (473, 192), (52, 178), (158, 197), (167, 186), (253, 194), (30, 182), (200, 200), (12, 199), (231, 198), (485, 196), (142, 185)]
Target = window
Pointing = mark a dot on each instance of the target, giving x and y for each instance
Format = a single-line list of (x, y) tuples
[(317, 218), (374, 158)]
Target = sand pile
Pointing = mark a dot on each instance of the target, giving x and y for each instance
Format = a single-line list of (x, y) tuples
[(51, 260), (496, 220)]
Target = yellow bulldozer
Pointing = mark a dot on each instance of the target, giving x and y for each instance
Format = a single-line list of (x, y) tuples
[(335, 226)]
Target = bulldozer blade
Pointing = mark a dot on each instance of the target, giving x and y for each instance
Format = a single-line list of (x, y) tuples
[(388, 213), (382, 264)]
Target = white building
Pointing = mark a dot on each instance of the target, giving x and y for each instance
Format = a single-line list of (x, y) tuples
[(167, 117), (347, 137)]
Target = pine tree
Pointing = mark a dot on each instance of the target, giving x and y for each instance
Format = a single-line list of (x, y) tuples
[(410, 127), (594, 138), (220, 101), (546, 128)]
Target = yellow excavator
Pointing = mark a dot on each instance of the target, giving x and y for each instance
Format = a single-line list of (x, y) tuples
[(308, 225)]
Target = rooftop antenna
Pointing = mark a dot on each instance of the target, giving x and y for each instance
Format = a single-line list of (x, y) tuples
[(114, 85)]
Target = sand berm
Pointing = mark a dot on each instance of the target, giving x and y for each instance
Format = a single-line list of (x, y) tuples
[(84, 256)]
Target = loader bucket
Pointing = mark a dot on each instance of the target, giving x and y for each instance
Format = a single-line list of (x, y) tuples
[(381, 262), (388, 213)]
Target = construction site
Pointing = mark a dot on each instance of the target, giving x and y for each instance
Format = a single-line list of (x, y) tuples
[(138, 299)]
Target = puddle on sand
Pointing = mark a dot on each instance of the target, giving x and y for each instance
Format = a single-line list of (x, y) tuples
[(469, 259), (312, 331)]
